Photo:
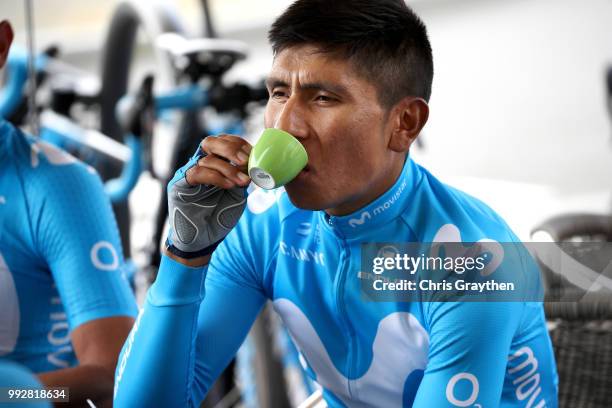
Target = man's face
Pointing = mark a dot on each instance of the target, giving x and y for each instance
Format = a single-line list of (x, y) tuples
[(336, 115), (6, 38)]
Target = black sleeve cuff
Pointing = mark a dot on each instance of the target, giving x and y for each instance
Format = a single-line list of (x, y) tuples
[(191, 255)]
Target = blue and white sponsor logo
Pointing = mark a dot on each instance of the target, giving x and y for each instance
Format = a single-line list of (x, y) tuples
[(104, 256), (383, 382), (527, 379), (365, 215), (58, 336), (304, 229), (302, 254), (125, 352), (360, 220), (473, 383)]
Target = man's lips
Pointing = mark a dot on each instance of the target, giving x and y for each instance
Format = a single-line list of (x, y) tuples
[(306, 172)]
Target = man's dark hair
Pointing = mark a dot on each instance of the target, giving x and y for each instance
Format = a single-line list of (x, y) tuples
[(385, 41)]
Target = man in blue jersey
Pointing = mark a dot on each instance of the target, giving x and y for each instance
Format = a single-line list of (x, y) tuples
[(350, 80), (65, 306)]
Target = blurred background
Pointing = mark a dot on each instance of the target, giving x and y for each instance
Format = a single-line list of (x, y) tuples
[(518, 112)]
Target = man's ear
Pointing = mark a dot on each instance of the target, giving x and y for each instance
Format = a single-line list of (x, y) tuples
[(6, 38), (408, 118)]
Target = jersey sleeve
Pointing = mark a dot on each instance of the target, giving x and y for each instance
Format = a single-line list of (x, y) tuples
[(471, 335), (468, 353), (75, 232), (234, 293), (193, 321)]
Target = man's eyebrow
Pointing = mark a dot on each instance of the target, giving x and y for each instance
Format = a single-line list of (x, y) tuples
[(272, 82), (326, 86)]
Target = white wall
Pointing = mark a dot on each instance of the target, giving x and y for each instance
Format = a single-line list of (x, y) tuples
[(519, 91)]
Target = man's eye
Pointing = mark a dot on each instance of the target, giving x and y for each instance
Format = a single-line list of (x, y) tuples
[(324, 98), (277, 94)]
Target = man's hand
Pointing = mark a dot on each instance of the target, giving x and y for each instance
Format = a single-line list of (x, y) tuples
[(207, 196)]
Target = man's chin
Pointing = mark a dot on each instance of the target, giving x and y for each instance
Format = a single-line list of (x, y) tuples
[(304, 198)]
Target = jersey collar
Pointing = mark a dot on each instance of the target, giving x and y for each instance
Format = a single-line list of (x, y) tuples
[(380, 211)]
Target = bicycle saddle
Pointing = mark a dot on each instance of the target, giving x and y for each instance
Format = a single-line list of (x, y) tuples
[(200, 56)]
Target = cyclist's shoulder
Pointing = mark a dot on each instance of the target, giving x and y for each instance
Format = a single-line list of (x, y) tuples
[(14, 144), (44, 179), (39, 159), (442, 209)]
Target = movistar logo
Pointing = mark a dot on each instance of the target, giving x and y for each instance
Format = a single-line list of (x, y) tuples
[(387, 204), (525, 367), (364, 216), (359, 221)]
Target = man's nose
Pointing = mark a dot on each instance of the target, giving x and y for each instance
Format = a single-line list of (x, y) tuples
[(291, 118)]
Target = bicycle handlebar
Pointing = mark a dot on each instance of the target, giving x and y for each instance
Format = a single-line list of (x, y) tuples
[(60, 130), (221, 97), (119, 188)]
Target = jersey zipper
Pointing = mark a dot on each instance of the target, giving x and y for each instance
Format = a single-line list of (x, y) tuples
[(345, 258)]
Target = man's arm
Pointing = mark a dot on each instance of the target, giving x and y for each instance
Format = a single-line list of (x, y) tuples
[(97, 345), (184, 337), (188, 332), (76, 234), (468, 353)]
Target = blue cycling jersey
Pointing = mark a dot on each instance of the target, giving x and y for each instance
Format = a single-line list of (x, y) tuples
[(61, 263), (16, 377), (362, 353)]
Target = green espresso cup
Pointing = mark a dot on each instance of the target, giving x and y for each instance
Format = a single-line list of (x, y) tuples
[(276, 159)]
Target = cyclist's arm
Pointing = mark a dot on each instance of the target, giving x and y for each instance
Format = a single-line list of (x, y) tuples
[(188, 331), (76, 233), (96, 344), (468, 353)]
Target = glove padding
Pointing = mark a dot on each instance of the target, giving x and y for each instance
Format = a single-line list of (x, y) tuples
[(201, 216)]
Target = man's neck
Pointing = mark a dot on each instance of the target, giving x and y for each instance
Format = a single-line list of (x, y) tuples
[(379, 188)]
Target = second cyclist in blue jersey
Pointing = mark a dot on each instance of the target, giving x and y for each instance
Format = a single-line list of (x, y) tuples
[(351, 80), (65, 305)]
